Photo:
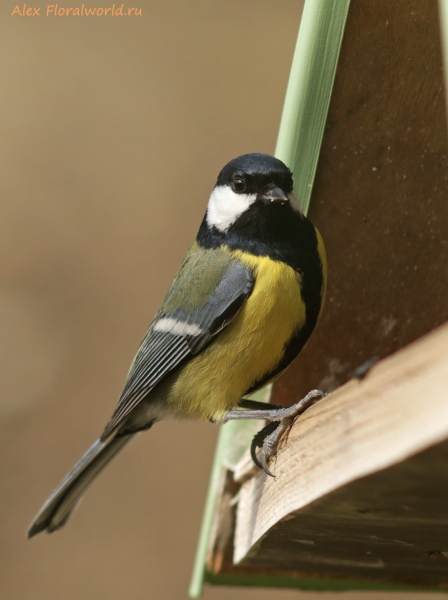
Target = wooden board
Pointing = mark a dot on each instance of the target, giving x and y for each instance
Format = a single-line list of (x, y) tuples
[(361, 487), (391, 526)]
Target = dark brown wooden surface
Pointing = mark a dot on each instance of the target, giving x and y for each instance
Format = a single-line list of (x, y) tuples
[(380, 198), (391, 526)]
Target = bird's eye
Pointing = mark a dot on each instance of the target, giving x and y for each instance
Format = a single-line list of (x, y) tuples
[(239, 185)]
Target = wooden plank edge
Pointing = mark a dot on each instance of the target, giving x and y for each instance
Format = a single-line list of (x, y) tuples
[(294, 581), (398, 410)]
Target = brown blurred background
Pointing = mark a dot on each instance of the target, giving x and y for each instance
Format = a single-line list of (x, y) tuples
[(112, 133)]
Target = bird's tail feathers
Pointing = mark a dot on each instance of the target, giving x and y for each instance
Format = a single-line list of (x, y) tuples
[(57, 509)]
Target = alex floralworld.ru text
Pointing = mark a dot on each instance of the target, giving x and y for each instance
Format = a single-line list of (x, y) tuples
[(116, 10)]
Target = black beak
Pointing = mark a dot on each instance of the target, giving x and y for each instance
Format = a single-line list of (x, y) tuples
[(275, 195)]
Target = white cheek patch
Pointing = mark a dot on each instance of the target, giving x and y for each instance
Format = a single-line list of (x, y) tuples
[(225, 206), (170, 325)]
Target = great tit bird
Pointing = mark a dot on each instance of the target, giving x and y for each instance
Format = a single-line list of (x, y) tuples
[(242, 306)]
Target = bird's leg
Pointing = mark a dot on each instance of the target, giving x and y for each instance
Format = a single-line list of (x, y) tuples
[(272, 412), (281, 419), (248, 403)]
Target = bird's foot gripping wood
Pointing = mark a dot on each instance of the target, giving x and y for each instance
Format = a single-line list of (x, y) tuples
[(281, 418)]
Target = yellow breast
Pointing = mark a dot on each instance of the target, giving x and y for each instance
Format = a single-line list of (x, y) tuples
[(250, 347)]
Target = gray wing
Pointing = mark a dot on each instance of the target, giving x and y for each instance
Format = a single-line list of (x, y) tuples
[(178, 335)]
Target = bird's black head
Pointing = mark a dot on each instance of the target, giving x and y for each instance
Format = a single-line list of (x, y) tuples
[(256, 174), (253, 208), (251, 188)]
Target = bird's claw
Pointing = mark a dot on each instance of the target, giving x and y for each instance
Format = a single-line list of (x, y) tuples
[(269, 437), (259, 441), (264, 465)]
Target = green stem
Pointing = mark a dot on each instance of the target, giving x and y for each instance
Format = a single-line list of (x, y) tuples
[(309, 91)]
